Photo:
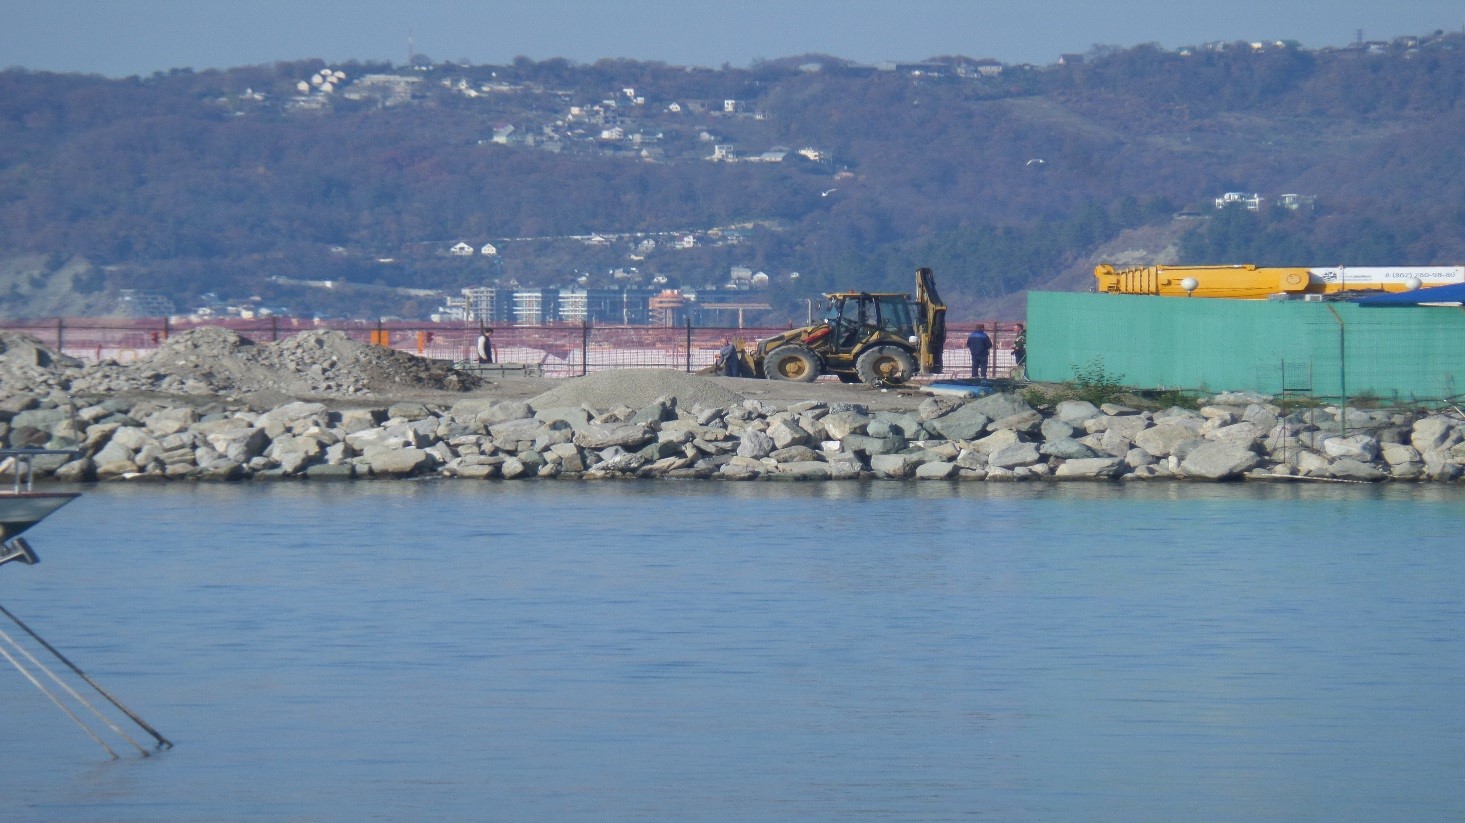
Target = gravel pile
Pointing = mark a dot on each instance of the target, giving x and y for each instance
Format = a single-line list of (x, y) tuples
[(28, 365), (214, 360), (635, 388)]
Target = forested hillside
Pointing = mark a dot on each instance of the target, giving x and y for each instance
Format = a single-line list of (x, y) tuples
[(255, 182)]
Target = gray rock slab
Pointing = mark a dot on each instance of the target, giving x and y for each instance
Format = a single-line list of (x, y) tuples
[(1162, 439), (1074, 412), (893, 466), (1347, 468), (1219, 460), (1066, 448), (604, 435), (1013, 455), (398, 462), (936, 471), (801, 470), (1088, 468), (966, 422)]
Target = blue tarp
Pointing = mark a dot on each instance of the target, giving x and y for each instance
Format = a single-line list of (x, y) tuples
[(1454, 293)]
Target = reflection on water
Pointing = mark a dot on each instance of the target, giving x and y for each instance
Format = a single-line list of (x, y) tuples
[(754, 651)]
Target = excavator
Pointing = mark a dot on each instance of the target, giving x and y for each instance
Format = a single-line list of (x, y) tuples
[(876, 338)]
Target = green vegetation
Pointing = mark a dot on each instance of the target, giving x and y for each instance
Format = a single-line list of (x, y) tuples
[(1090, 382), (223, 181)]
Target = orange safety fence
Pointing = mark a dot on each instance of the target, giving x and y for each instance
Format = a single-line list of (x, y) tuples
[(554, 351)]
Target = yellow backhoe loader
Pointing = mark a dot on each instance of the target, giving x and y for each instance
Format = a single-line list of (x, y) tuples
[(878, 338)]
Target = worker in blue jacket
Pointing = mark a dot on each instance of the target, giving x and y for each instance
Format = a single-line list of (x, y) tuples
[(980, 345)]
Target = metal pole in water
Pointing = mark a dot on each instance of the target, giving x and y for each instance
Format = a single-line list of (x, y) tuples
[(66, 687), (54, 699), (162, 741)]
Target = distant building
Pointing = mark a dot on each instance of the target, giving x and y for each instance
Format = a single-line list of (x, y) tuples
[(1248, 200), (536, 307), (461, 249), (1297, 202), (132, 303)]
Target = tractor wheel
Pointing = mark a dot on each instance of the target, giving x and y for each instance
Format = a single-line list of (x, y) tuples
[(885, 366), (795, 363)]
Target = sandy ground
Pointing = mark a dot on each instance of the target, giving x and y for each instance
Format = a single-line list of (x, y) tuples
[(775, 391)]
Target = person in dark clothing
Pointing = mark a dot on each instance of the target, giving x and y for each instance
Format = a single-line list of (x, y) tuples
[(980, 345), (728, 362), (485, 346), (1020, 350)]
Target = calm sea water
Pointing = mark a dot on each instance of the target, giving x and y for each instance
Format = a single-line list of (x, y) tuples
[(750, 652)]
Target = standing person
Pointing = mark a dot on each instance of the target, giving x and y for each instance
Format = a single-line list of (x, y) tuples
[(728, 362), (1020, 351), (485, 346), (980, 345)]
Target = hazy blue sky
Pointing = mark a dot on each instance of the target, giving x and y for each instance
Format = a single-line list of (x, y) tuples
[(122, 37)]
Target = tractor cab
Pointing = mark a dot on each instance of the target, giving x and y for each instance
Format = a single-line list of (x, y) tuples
[(854, 318)]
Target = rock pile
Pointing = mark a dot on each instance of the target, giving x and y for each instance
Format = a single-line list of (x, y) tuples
[(997, 437), (215, 361)]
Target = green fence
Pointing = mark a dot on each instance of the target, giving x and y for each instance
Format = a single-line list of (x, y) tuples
[(1327, 350)]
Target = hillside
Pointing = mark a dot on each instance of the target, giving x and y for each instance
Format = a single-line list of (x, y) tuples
[(340, 190)]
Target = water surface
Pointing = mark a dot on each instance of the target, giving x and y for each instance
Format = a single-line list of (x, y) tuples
[(722, 651)]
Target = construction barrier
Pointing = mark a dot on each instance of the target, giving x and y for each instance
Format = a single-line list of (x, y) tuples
[(552, 351)]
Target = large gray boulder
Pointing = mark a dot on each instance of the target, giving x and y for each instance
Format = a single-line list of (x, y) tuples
[(966, 422), (1434, 433), (796, 454), (786, 433), (755, 445), (938, 406), (1075, 412), (1025, 421), (872, 446), (575, 416), (1088, 468), (1219, 460), (397, 462), (170, 421), (894, 466), (936, 471), (518, 430), (1163, 439), (239, 444), (1014, 455), (1066, 448), (1360, 447), (841, 424), (1055, 429), (999, 405), (1348, 468), (599, 436), (801, 470)]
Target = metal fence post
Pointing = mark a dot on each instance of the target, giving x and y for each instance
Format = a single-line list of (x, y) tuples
[(274, 329), (689, 344), (60, 335), (584, 346)]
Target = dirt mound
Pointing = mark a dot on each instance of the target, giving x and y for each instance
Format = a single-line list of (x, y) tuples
[(213, 360), (334, 357)]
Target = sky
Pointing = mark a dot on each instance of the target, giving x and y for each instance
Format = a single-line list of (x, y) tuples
[(119, 38)]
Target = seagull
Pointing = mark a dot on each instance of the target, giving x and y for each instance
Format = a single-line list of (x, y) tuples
[(827, 193), (1040, 161)]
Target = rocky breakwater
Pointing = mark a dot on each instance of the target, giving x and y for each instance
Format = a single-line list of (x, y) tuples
[(696, 427)]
